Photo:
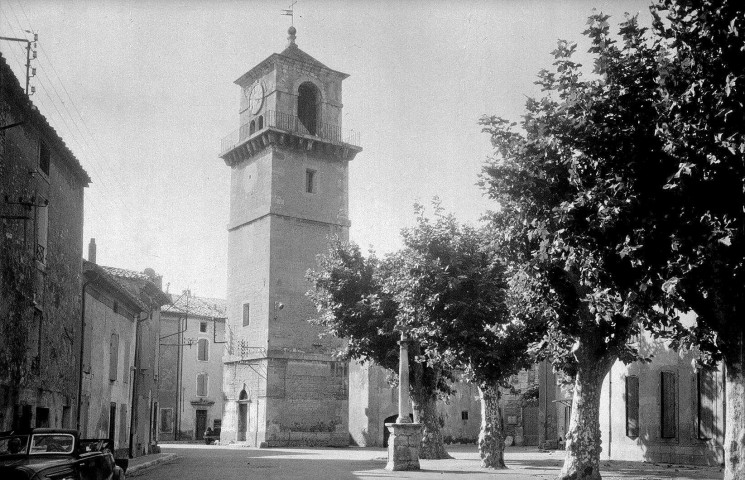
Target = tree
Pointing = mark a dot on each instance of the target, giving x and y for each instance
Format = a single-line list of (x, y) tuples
[(702, 122), (575, 190), (355, 302), (452, 292)]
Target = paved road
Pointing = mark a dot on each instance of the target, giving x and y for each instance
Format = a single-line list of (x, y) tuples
[(197, 462)]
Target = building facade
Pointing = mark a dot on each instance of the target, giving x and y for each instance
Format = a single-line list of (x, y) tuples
[(666, 410), (289, 162), (111, 314), (192, 342), (146, 287), (41, 240)]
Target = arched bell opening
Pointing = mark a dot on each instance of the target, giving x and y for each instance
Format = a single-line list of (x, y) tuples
[(252, 127), (309, 106)]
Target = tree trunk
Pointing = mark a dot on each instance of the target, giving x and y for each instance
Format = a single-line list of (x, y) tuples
[(491, 436), (734, 434), (425, 412), (582, 458), (424, 400)]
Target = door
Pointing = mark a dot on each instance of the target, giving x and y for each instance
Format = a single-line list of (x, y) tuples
[(112, 421), (242, 421), (530, 425), (201, 424)]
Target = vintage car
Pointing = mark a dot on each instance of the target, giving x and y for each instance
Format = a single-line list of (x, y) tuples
[(58, 454)]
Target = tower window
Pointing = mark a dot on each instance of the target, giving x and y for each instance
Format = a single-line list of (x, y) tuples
[(252, 127), (261, 122), (246, 314), (310, 181), (307, 107), (202, 385), (464, 415)]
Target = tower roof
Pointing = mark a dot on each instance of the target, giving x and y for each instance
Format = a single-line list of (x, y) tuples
[(293, 53)]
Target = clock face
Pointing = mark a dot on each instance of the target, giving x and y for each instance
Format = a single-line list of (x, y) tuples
[(256, 97)]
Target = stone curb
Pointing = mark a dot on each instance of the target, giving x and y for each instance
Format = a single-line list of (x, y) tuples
[(135, 470)]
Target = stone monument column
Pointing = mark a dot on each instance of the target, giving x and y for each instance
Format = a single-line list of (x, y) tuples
[(403, 444)]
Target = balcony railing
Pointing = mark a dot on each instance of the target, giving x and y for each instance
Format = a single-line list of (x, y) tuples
[(288, 123)]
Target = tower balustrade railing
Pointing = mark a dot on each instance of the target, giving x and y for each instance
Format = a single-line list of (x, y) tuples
[(291, 124)]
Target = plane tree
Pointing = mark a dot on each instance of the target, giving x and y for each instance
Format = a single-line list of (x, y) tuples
[(580, 214), (702, 122), (452, 291), (354, 301)]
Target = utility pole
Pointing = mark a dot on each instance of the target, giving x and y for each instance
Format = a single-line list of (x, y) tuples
[(30, 55)]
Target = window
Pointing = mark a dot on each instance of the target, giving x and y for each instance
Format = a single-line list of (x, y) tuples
[(166, 420), (246, 314), (113, 356), (252, 127), (42, 229), (202, 385), (261, 122), (112, 421), (310, 181), (668, 400), (42, 417), (203, 327), (125, 365), (464, 415), (707, 397), (44, 157), (203, 353), (632, 407)]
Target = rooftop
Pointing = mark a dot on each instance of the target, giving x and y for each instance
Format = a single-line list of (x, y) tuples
[(188, 304)]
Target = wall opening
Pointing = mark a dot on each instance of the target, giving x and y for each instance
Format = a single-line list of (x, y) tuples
[(308, 103)]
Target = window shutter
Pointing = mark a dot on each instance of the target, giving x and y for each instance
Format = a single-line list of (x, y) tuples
[(113, 357), (668, 394), (632, 407), (707, 392), (202, 385), (202, 353)]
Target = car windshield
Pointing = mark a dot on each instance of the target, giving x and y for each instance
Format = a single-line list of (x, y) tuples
[(51, 443), (13, 445)]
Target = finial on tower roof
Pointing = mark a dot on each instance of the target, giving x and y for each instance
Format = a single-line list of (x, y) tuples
[(291, 36)]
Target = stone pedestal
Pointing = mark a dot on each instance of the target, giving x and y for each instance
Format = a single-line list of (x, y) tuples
[(403, 446)]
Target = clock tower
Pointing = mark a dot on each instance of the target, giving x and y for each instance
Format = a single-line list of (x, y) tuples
[(288, 196)]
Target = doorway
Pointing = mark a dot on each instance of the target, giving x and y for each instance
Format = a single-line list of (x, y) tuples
[(242, 416), (112, 421), (201, 424)]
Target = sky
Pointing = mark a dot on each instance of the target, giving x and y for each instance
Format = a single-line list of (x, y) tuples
[(142, 92)]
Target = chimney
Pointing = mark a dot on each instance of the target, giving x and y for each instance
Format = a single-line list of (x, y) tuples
[(92, 251), (156, 279)]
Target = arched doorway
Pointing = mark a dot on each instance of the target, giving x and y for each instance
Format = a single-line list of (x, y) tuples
[(308, 104), (242, 415)]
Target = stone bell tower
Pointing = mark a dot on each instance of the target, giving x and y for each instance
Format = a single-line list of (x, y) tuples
[(288, 196)]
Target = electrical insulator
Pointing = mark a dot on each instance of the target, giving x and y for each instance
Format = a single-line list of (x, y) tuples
[(36, 37), (33, 71), (33, 90), (35, 45), (33, 54)]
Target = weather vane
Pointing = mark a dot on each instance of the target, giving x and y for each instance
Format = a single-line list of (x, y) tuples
[(291, 12)]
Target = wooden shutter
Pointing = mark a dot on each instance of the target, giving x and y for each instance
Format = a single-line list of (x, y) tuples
[(203, 354), (202, 385), (113, 357), (668, 404), (707, 396), (632, 407)]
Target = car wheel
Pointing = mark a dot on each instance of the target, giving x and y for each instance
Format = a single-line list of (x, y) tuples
[(118, 473)]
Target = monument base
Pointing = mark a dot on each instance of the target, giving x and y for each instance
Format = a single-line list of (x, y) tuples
[(403, 446)]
